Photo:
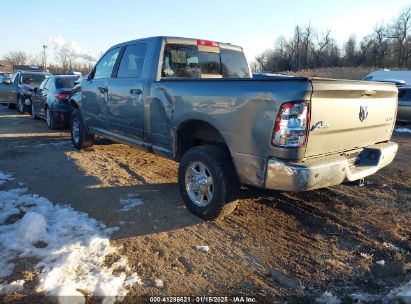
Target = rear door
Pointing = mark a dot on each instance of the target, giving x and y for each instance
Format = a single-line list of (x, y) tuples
[(44, 94), (94, 91), (36, 97), (125, 104), (349, 114)]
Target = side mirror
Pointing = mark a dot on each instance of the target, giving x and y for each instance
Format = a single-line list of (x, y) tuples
[(7, 81)]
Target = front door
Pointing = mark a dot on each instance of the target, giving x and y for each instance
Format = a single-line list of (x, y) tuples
[(94, 92)]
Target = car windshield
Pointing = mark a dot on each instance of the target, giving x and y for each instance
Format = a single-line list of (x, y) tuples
[(66, 82), (32, 79)]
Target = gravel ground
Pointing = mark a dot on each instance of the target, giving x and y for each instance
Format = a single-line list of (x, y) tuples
[(337, 244)]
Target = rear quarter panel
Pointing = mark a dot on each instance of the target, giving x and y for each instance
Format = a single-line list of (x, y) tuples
[(242, 110)]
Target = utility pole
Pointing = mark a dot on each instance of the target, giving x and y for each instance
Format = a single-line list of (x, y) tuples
[(44, 58)]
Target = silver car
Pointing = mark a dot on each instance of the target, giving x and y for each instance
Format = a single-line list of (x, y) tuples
[(404, 104)]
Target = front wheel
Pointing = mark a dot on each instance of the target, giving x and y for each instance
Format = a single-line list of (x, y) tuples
[(80, 137), (20, 104), (208, 182)]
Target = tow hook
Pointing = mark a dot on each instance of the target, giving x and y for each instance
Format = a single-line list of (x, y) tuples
[(361, 182)]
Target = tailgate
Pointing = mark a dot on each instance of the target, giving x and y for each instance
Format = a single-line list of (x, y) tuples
[(349, 114)]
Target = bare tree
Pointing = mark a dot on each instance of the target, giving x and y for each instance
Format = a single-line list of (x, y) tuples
[(399, 31), (16, 58)]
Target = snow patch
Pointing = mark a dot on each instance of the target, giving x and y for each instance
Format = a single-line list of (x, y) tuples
[(381, 263), (403, 291), (131, 202), (402, 130), (158, 283), (5, 177), (15, 286), (328, 298), (202, 248), (75, 252), (393, 247)]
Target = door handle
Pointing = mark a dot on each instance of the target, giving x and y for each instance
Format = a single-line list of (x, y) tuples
[(136, 91), (103, 89)]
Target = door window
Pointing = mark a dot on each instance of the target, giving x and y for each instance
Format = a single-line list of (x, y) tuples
[(132, 62), (105, 66), (43, 83), (48, 83)]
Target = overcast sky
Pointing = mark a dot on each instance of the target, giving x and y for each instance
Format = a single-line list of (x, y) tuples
[(93, 26)]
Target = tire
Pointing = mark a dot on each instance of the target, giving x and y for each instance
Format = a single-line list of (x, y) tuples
[(21, 108), (80, 137), (208, 198), (50, 119), (33, 113), (11, 106)]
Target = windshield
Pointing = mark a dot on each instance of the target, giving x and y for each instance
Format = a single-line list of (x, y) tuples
[(32, 79), (66, 82)]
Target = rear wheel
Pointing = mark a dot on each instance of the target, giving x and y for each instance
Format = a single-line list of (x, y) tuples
[(21, 104), (208, 182), (50, 119), (33, 113), (80, 137)]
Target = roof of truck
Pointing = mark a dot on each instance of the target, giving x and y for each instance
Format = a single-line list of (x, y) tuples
[(182, 40)]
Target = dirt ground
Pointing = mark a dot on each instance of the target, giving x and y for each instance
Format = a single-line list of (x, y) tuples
[(275, 246)]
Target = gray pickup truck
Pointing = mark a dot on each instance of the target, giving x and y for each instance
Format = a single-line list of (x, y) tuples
[(195, 101)]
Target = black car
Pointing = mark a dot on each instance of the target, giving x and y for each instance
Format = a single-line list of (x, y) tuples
[(51, 100)]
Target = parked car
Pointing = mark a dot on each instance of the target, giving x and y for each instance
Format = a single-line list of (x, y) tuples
[(404, 99), (51, 100), (17, 91), (401, 78), (196, 102), (404, 104)]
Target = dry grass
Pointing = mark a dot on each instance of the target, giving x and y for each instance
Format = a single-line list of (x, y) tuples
[(335, 72)]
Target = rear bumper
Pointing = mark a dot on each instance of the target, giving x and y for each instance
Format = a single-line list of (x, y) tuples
[(329, 170)]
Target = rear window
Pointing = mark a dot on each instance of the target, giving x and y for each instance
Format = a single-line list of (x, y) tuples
[(185, 61), (234, 64), (404, 94), (32, 79), (66, 83)]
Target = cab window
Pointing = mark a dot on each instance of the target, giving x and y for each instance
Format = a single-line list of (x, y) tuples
[(104, 67), (132, 62), (180, 61)]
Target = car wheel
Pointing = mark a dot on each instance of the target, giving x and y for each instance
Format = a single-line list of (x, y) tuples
[(208, 182), (20, 105), (50, 119), (11, 106), (33, 113), (80, 137)]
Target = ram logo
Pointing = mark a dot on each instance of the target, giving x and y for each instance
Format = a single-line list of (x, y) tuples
[(363, 113)]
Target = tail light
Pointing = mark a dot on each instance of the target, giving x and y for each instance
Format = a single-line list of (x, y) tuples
[(61, 96), (291, 125), (207, 43)]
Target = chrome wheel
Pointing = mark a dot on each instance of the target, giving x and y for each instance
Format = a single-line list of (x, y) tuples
[(199, 183), (75, 131), (20, 105), (33, 114), (48, 117)]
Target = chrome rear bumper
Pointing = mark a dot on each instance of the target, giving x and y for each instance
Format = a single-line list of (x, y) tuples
[(329, 170)]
